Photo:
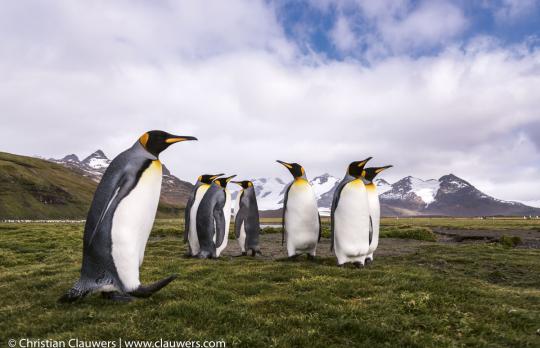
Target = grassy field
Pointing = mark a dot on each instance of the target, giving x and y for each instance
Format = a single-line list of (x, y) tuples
[(442, 295)]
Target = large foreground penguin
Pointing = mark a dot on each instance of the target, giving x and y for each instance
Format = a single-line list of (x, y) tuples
[(190, 218), (350, 223), (213, 219), (301, 219), (119, 222), (246, 223), (374, 208)]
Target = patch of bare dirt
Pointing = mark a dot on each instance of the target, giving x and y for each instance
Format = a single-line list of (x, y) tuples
[(272, 249)]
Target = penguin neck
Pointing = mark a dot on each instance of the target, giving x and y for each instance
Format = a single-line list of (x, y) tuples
[(140, 148), (300, 178)]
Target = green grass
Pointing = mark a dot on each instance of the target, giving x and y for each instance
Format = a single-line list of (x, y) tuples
[(478, 295), (405, 232), (466, 223)]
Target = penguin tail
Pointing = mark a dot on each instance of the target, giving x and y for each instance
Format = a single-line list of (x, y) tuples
[(148, 290), (74, 294)]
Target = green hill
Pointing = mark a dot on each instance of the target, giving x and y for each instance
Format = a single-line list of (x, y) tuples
[(32, 188)]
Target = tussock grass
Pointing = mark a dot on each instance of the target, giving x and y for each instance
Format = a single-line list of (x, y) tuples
[(407, 232)]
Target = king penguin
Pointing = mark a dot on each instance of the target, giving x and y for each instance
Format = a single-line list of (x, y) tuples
[(350, 225), (374, 208), (120, 220), (213, 219), (301, 219), (190, 218), (246, 223)]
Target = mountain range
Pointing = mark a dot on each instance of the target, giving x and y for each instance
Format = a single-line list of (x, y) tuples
[(62, 188), (174, 192), (447, 196)]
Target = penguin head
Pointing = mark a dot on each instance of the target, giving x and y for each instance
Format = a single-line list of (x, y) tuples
[(156, 141), (296, 170), (222, 182), (370, 173), (208, 178), (355, 168), (245, 184)]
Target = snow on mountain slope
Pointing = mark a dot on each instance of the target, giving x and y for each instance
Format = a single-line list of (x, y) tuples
[(382, 186), (410, 188), (270, 192)]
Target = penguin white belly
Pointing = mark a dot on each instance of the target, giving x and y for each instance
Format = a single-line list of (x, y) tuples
[(242, 238), (192, 235), (351, 224), (375, 214), (301, 219), (132, 223), (227, 214)]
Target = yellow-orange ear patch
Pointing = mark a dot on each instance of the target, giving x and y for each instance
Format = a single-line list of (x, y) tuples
[(144, 139)]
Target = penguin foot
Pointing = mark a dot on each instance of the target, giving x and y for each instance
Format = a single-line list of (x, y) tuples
[(255, 253), (72, 295), (240, 255), (368, 261), (311, 257), (293, 258), (117, 296), (188, 255), (358, 264), (149, 290)]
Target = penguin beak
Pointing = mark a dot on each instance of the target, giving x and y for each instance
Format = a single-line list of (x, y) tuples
[(179, 138), (363, 163), (378, 170), (237, 182), (288, 165), (214, 177), (229, 178)]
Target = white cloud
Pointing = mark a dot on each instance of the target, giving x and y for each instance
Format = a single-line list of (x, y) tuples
[(512, 10), (342, 35), (70, 85), (395, 27)]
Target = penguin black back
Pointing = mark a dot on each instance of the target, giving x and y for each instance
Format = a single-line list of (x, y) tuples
[(247, 218)]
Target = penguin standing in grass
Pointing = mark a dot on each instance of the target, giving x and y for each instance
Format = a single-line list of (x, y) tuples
[(301, 219), (190, 219), (374, 208), (120, 220), (213, 219), (246, 223), (350, 220)]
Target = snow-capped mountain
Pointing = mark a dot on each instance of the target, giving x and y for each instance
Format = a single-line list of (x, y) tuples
[(449, 196), (174, 191)]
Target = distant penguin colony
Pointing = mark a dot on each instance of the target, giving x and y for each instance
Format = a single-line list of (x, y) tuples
[(125, 203)]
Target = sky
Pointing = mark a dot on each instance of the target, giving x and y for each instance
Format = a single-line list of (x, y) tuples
[(432, 87)]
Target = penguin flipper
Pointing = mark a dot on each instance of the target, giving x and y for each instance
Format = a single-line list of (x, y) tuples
[(370, 230), (285, 199), (219, 218), (122, 189), (238, 220), (335, 202), (145, 291)]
